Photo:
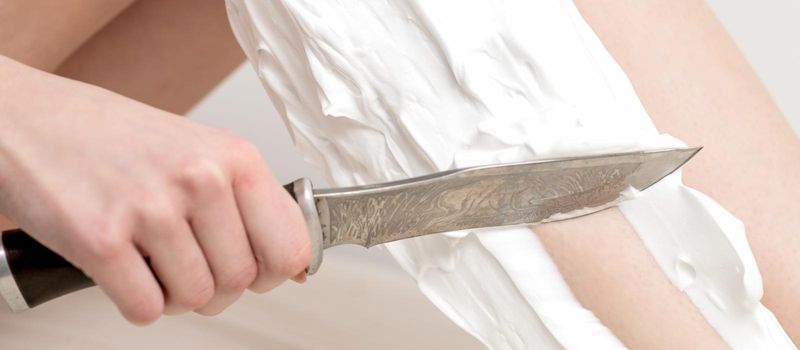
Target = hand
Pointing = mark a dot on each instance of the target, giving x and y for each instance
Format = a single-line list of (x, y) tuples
[(106, 182)]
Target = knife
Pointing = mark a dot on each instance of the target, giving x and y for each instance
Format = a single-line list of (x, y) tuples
[(476, 197)]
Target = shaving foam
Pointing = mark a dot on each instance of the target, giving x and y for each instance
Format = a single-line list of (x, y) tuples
[(374, 91)]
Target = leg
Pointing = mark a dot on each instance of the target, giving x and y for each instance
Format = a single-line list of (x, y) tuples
[(697, 86), (42, 33), (693, 82), (611, 273), (168, 54)]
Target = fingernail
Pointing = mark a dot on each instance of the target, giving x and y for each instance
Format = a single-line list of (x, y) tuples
[(300, 278)]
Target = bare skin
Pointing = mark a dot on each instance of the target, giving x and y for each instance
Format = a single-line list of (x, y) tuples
[(53, 31), (751, 140), (691, 80), (173, 53), (697, 86), (43, 33), (611, 273), (208, 214)]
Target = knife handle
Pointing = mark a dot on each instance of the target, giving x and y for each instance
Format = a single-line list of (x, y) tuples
[(31, 274)]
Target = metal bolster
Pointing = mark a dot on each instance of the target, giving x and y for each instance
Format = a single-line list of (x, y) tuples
[(8, 286), (304, 196)]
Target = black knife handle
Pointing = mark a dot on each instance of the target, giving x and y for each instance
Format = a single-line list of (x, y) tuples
[(34, 274), (31, 274)]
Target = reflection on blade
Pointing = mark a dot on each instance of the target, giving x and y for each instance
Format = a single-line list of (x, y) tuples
[(487, 196)]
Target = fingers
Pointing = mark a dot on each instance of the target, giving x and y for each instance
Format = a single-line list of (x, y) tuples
[(138, 296), (274, 224), (177, 260), (235, 228), (220, 232)]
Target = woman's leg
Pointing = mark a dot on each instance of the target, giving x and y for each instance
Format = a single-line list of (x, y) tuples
[(43, 33), (611, 273), (697, 87), (168, 54)]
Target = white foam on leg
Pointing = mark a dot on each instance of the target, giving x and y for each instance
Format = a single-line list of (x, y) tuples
[(384, 90)]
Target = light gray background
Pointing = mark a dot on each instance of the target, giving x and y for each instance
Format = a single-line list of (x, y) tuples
[(767, 32)]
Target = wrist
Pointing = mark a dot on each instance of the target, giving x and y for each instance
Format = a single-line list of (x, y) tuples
[(9, 72), (11, 96), (21, 92)]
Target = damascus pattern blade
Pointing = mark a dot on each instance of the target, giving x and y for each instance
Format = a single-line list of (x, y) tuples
[(487, 196)]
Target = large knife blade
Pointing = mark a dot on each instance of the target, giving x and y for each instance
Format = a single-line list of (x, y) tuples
[(477, 197), (483, 196)]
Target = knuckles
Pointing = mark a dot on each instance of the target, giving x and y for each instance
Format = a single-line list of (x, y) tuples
[(241, 149), (200, 177), (103, 244), (299, 246), (285, 254), (154, 209), (276, 268), (203, 176), (238, 280), (196, 297)]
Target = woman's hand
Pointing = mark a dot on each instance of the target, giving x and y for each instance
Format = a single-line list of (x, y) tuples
[(106, 181)]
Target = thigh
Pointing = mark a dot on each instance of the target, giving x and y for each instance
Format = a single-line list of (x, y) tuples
[(43, 33), (168, 54)]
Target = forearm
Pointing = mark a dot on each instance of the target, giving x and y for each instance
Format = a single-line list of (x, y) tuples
[(5, 77), (21, 91), (13, 77), (42, 33)]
